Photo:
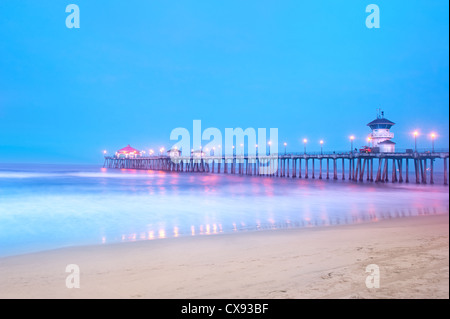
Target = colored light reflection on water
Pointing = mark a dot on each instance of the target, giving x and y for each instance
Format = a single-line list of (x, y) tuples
[(46, 207)]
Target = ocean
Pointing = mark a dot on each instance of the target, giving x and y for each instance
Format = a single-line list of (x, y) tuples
[(52, 206)]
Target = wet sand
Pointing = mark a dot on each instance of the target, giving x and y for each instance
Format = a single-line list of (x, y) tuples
[(412, 254)]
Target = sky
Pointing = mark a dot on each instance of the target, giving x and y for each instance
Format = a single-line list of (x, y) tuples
[(136, 70)]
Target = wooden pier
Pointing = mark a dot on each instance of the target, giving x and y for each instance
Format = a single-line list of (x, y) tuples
[(358, 167)]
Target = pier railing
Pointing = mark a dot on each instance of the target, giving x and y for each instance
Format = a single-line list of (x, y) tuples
[(397, 151)]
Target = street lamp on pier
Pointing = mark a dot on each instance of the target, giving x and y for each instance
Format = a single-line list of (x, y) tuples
[(351, 143), (433, 136), (415, 140)]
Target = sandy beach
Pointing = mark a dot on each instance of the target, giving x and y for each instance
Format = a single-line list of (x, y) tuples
[(321, 262)]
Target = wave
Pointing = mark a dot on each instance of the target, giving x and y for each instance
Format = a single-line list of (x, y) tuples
[(23, 175)]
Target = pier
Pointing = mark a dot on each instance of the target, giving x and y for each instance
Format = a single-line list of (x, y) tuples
[(354, 166)]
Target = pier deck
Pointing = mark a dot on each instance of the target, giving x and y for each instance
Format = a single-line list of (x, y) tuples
[(392, 167)]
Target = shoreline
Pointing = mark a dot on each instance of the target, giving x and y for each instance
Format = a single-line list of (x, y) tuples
[(311, 262)]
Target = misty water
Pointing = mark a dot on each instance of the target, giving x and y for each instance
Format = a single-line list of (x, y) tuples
[(52, 206)]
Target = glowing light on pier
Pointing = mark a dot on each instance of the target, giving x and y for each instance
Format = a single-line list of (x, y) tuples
[(433, 136), (415, 133)]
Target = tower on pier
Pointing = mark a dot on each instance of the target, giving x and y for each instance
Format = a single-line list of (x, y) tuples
[(381, 135)]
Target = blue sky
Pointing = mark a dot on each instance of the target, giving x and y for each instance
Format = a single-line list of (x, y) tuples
[(135, 70)]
